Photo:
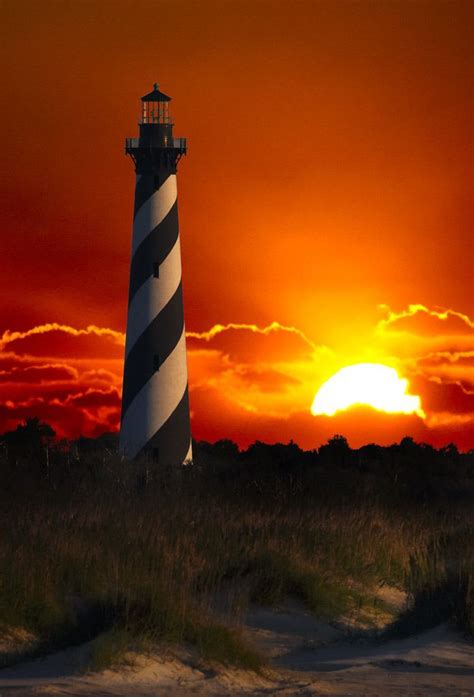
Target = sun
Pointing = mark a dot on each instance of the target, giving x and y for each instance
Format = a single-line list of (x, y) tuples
[(371, 384)]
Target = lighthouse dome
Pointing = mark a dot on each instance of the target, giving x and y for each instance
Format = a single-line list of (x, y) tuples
[(156, 95)]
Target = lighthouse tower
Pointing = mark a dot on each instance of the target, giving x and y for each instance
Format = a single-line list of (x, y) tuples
[(155, 407)]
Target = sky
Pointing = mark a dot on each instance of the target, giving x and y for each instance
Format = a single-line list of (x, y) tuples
[(325, 204)]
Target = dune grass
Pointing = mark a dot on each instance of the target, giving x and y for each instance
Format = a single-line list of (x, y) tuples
[(116, 647), (180, 559)]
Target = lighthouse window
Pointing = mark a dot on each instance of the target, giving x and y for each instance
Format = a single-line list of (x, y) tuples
[(156, 362), (156, 269)]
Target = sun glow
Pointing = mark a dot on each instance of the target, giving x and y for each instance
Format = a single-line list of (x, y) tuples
[(370, 384)]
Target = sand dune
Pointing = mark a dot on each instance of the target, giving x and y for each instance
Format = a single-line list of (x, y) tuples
[(306, 657)]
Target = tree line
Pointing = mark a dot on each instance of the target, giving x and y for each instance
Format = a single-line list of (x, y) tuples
[(32, 458)]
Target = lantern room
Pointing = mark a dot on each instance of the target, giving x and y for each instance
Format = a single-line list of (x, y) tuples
[(155, 107), (155, 148), (156, 128)]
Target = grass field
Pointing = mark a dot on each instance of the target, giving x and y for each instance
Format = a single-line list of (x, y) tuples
[(93, 545)]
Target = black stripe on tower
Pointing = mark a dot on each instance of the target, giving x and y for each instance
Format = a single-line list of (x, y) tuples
[(154, 249), (147, 185), (153, 347), (170, 444)]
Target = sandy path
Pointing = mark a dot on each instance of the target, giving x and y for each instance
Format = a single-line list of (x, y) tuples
[(437, 662), (308, 657)]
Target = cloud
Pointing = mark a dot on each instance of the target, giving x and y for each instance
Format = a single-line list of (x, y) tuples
[(100, 376), (246, 375), (271, 370), (9, 337), (87, 414), (254, 328), (440, 396), (251, 344), (94, 398), (266, 379), (418, 331), (437, 343), (435, 349), (78, 394), (443, 368), (247, 381), (451, 319), (50, 373)]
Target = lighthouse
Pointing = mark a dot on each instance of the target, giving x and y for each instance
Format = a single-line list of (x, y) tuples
[(155, 405)]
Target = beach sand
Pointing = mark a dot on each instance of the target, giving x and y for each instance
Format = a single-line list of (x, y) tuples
[(305, 657)]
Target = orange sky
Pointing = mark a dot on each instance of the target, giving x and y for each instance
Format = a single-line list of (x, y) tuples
[(328, 189)]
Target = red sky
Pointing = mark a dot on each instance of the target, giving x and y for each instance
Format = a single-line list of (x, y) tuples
[(328, 189)]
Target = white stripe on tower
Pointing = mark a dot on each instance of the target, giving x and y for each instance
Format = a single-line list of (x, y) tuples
[(157, 399), (154, 210), (155, 411), (152, 296)]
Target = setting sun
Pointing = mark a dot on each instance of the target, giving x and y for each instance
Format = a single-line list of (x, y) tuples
[(370, 384)]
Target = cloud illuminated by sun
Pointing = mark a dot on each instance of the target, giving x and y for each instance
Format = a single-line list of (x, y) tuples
[(370, 384)]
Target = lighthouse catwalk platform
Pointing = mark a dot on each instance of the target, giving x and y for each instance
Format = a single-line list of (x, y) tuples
[(155, 405)]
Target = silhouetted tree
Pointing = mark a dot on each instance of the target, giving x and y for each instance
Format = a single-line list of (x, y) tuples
[(30, 444), (336, 451), (31, 436)]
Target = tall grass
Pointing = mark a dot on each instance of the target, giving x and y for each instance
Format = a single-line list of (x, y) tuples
[(178, 555)]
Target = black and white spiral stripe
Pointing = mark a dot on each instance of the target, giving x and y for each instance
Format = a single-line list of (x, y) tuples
[(155, 408)]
